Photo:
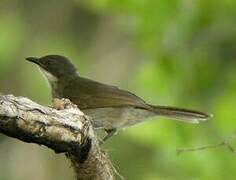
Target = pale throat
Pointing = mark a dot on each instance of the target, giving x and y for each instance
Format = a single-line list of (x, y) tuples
[(52, 82)]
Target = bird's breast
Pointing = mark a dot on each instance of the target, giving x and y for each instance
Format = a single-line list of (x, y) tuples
[(53, 83)]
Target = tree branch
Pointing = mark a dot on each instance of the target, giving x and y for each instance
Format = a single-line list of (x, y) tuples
[(224, 143), (65, 131)]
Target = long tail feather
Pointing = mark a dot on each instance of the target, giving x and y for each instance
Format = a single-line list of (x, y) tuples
[(185, 115)]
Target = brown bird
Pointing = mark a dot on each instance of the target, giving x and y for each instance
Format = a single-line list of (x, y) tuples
[(109, 107)]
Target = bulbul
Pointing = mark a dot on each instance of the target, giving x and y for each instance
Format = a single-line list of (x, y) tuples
[(109, 107)]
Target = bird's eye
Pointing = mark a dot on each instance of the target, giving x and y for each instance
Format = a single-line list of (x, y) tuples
[(49, 63)]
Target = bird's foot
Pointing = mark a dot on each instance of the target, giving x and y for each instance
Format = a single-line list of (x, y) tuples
[(110, 133)]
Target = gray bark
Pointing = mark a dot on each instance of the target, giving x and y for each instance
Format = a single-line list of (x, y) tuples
[(66, 131)]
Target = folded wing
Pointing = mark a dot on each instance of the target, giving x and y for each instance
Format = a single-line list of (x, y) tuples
[(88, 94)]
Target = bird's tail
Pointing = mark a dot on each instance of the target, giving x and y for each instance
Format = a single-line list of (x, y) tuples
[(185, 115)]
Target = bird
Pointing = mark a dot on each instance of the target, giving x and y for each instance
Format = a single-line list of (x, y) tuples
[(110, 108)]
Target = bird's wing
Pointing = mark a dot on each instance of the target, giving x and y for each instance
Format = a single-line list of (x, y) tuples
[(89, 94)]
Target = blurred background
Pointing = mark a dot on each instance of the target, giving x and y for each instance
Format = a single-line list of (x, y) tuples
[(179, 53)]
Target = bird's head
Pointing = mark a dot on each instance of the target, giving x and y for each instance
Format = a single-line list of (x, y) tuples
[(54, 66)]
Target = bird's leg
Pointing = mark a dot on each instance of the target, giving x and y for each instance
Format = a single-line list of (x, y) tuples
[(110, 133)]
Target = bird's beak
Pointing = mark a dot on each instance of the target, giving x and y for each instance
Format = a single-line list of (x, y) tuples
[(33, 60)]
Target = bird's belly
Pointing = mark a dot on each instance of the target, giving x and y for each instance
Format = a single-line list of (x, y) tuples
[(119, 117)]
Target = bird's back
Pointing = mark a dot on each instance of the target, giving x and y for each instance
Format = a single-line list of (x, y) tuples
[(89, 94)]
